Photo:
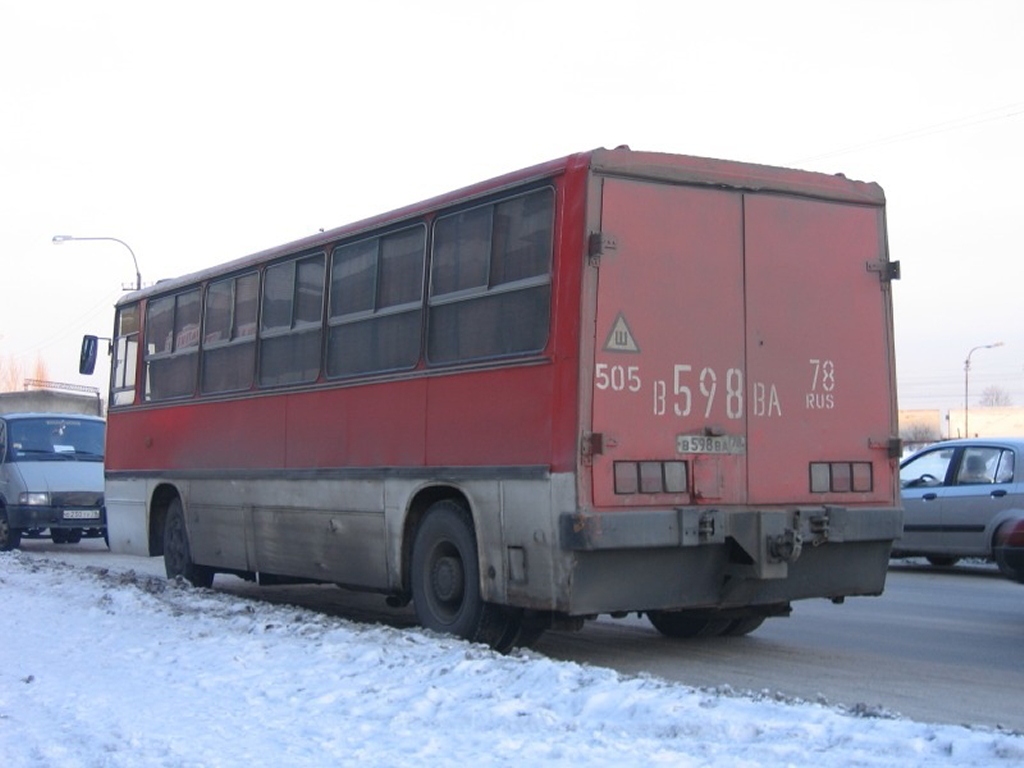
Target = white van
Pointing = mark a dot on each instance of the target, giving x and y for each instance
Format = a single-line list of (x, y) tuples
[(51, 477)]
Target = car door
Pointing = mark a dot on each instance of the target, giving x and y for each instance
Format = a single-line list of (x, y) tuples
[(981, 487), (922, 482)]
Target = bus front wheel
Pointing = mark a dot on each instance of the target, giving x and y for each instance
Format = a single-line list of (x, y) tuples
[(446, 580), (178, 554)]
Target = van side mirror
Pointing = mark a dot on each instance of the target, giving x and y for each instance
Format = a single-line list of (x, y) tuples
[(87, 358)]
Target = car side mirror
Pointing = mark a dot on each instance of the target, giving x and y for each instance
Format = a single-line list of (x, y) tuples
[(87, 357)]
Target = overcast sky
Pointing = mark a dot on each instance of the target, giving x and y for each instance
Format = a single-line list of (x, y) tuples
[(198, 132)]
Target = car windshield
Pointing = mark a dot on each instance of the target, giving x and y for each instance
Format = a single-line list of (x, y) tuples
[(54, 438)]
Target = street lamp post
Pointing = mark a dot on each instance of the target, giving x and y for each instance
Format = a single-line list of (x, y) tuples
[(967, 373), (58, 239)]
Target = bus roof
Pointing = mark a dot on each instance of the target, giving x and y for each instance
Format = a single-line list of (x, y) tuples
[(621, 161)]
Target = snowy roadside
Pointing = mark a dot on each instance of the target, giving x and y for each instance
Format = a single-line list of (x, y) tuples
[(110, 667)]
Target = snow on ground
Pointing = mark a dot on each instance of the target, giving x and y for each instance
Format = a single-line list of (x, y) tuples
[(109, 667)]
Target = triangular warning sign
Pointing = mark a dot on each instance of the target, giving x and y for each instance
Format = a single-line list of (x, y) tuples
[(621, 338)]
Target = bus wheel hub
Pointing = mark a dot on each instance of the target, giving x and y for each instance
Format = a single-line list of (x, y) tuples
[(448, 579)]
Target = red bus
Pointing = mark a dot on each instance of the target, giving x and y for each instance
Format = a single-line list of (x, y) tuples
[(619, 381)]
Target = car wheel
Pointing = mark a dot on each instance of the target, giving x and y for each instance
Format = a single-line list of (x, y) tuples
[(10, 538), (1008, 550), (177, 553), (942, 561)]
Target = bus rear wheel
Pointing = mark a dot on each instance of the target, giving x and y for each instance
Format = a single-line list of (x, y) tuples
[(445, 581), (689, 623), (177, 552)]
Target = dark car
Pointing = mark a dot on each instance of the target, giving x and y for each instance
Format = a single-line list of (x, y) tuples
[(965, 498)]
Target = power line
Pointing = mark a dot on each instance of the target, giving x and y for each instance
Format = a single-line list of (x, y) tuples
[(999, 113)]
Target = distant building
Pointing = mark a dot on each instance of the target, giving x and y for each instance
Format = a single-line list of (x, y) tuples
[(52, 397), (922, 427), (988, 422)]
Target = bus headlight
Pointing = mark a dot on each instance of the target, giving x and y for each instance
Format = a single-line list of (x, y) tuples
[(34, 499)]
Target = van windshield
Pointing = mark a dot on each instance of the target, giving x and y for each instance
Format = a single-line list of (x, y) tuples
[(50, 438)]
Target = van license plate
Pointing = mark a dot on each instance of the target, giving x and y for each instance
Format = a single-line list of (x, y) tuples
[(81, 514)]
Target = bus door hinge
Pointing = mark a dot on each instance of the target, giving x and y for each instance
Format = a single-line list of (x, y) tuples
[(591, 445), (893, 446), (599, 243), (887, 270)]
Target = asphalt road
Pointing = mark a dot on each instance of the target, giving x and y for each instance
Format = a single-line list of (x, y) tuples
[(940, 645)]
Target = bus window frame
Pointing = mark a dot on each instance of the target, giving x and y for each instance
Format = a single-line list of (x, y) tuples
[(235, 340), (178, 351), (488, 289), (295, 328), (335, 322)]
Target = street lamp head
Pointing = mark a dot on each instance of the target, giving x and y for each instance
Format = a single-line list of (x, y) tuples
[(58, 239)]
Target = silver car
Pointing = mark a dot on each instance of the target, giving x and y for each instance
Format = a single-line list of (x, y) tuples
[(965, 498)]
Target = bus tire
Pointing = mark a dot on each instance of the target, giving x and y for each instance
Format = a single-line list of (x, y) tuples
[(686, 624), (177, 552), (744, 626), (10, 538), (445, 580)]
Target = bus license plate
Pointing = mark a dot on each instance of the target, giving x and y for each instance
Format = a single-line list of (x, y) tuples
[(81, 514), (728, 444)]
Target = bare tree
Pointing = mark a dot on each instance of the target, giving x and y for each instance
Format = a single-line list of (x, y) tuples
[(995, 397), (919, 433), (41, 371), (11, 374)]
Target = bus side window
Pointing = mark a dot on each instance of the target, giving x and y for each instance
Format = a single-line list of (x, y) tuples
[(229, 334), (376, 304), (290, 327), (490, 280)]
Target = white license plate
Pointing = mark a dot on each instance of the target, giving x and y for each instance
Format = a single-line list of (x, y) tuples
[(81, 514), (728, 444)]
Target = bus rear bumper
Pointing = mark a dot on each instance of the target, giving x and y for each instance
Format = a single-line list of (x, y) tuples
[(713, 558), (686, 526)]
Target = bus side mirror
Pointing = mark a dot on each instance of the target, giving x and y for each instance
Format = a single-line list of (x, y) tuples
[(87, 358)]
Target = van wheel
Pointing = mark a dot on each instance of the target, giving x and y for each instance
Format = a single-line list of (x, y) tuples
[(445, 581), (58, 536), (178, 554), (10, 538), (74, 535), (688, 623)]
